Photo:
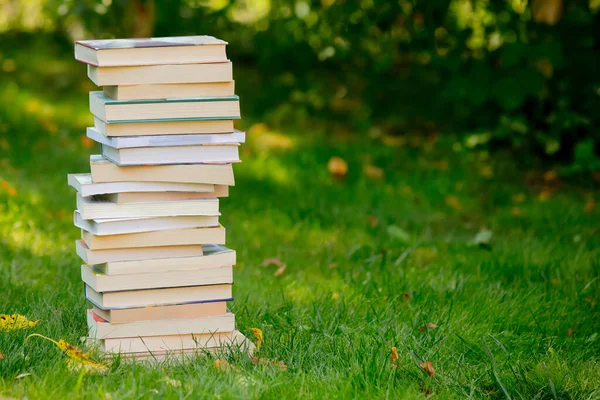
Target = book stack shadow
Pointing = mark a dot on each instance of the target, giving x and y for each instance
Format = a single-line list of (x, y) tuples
[(155, 269)]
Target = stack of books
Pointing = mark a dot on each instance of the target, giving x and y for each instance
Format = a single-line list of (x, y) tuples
[(155, 269)]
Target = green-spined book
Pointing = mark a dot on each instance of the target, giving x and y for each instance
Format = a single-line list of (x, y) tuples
[(123, 111)]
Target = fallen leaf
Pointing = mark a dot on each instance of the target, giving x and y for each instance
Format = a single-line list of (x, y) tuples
[(431, 325), (406, 296), (13, 322), (280, 271), (258, 335), (78, 359), (373, 221), (272, 261), (428, 367), (394, 356), (2, 355), (398, 233), (23, 375), (515, 211), (483, 238), (589, 206), (569, 332), (422, 329), (221, 364), (373, 172), (545, 194), (452, 202), (338, 167)]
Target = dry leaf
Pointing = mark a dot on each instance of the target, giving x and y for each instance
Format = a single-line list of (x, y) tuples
[(545, 194), (453, 202), (258, 335), (373, 221), (338, 167), (79, 360), (2, 355), (422, 329), (23, 375), (280, 271), (221, 364), (374, 172), (570, 332), (515, 211), (589, 206), (394, 356), (13, 322), (431, 325), (406, 296), (428, 367), (272, 261)]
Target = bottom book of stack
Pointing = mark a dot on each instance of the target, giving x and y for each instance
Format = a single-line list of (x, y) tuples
[(154, 308)]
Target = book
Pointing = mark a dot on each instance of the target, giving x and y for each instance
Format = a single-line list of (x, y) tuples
[(101, 329), (159, 297), (164, 127), (150, 51), (144, 197), (170, 90), (85, 186), (156, 74), (175, 237), (172, 155), (171, 343), (118, 226), (166, 140), (143, 253), (112, 283), (214, 256), (162, 312), (94, 208), (105, 171), (119, 111)]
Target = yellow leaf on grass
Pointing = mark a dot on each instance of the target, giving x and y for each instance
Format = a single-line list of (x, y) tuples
[(374, 172), (272, 261), (221, 364), (280, 271), (13, 322), (78, 359), (394, 356), (338, 167), (453, 202), (258, 335), (9, 188)]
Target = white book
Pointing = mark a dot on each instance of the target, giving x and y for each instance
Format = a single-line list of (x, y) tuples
[(150, 51), (111, 283), (172, 342), (146, 197), (119, 226), (170, 90), (92, 208), (214, 256), (145, 128), (116, 111), (132, 254), (105, 171), (178, 237), (158, 297), (166, 140), (173, 73), (84, 184), (172, 155), (101, 329)]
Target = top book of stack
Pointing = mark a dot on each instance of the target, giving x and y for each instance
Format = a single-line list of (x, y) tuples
[(151, 51)]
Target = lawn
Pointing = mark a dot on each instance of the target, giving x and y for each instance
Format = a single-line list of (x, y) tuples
[(395, 253)]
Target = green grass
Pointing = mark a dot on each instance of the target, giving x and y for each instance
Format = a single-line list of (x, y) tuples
[(516, 319)]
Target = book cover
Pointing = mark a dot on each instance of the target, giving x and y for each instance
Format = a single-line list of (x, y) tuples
[(151, 42)]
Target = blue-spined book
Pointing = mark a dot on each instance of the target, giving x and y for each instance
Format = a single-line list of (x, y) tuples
[(149, 51), (122, 111)]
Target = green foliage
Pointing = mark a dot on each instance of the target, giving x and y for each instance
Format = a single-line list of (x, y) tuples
[(524, 73)]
